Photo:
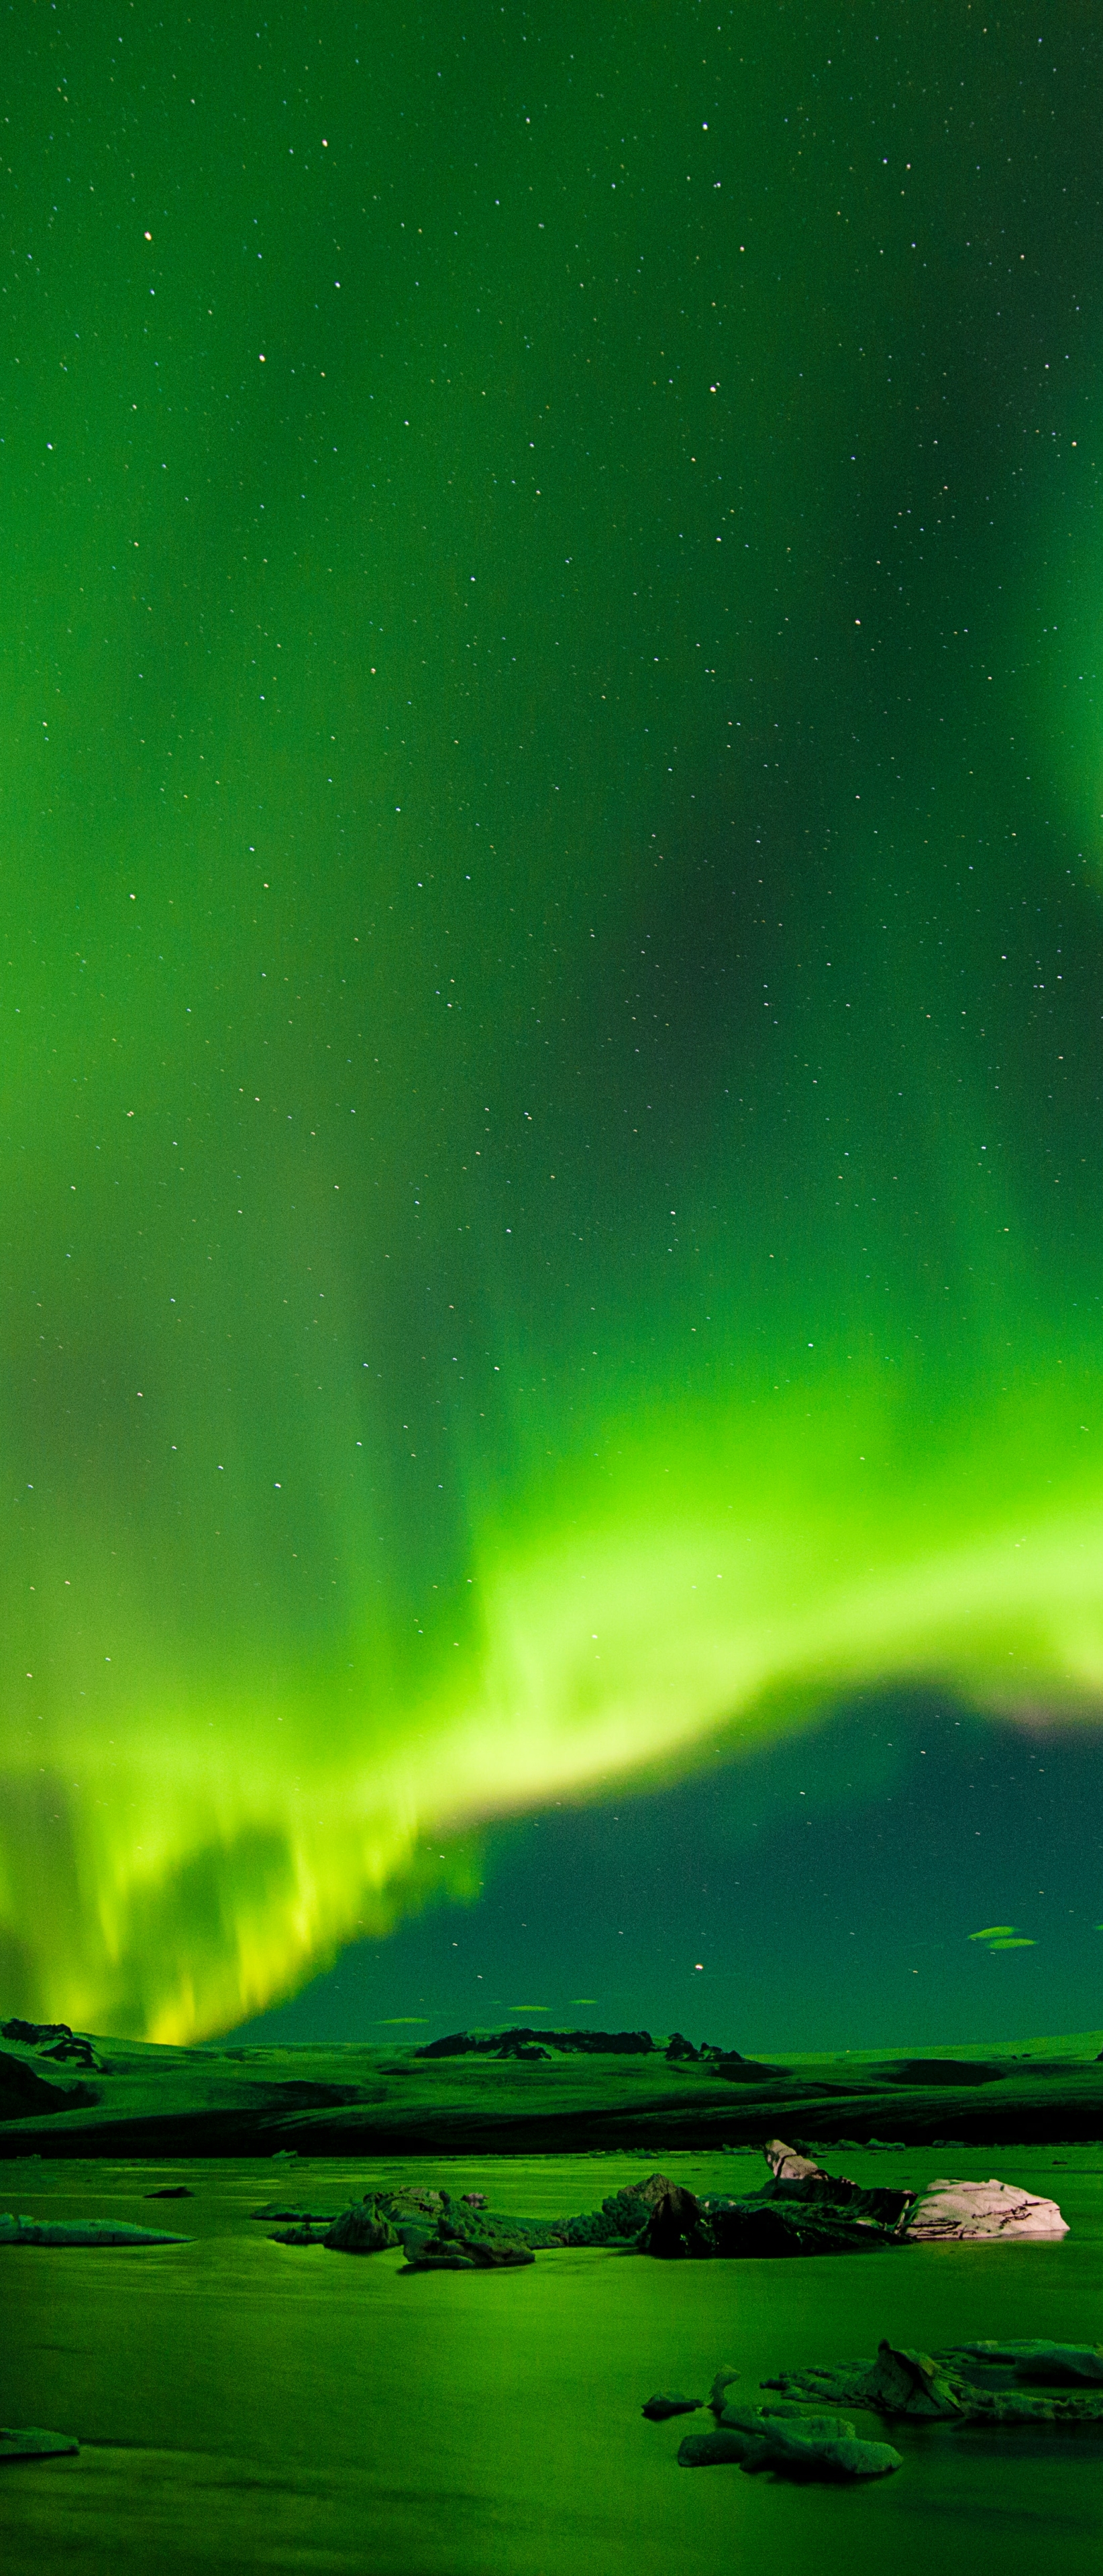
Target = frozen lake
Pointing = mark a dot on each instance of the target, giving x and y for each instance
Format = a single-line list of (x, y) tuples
[(244, 2405)]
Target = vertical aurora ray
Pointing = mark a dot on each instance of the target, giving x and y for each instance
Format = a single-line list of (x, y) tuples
[(551, 990)]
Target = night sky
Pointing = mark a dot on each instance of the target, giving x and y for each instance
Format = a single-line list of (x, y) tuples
[(552, 1012)]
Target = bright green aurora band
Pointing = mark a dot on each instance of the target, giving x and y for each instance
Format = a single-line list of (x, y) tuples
[(553, 950)]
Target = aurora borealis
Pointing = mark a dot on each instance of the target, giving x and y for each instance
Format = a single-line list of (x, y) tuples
[(553, 970)]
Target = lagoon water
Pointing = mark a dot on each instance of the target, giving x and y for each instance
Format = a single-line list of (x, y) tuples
[(245, 2405)]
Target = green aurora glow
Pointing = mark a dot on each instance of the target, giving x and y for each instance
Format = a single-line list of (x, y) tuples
[(551, 986)]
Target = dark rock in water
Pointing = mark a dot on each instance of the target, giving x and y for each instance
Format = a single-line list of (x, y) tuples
[(677, 2227), (621, 2218), (658, 2409), (798, 2177), (962, 2211), (792, 2455), (802, 2210), (515, 2046), (364, 2229), (899, 2382), (788, 2165), (29, 2442), (467, 2254), (725, 2379), (766, 2230), (435, 2232), (488, 2240), (906, 2382), (488, 2256), (965, 2384), (768, 2415), (304, 2234), (681, 2051), (171, 2191), (789, 2450), (712, 2450)]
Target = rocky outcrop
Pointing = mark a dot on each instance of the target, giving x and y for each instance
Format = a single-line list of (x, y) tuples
[(801, 2210), (468, 2250), (34, 2034), (805, 2210), (677, 2227), (796, 2433), (416, 2200), (1036, 2364), (468, 2239), (53, 2039), (658, 2410), (822, 2428), (621, 2219), (795, 2177), (779, 2229), (364, 2229), (962, 2212), (903, 2382), (793, 2449), (514, 2042), (788, 2165), (26, 2095), (964, 2384), (456, 2043), (435, 2232)]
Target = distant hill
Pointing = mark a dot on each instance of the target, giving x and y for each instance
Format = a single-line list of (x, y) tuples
[(517, 2090)]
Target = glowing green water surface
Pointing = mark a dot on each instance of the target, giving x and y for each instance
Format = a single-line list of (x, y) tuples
[(245, 2404)]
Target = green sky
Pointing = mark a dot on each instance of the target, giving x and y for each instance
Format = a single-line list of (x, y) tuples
[(551, 795)]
